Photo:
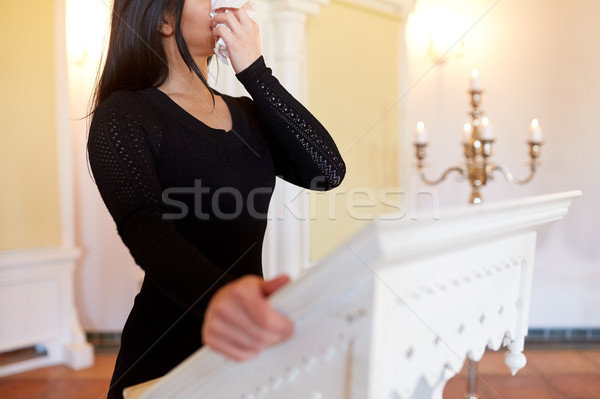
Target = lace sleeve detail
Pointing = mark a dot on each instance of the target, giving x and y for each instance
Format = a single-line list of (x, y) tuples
[(310, 157)]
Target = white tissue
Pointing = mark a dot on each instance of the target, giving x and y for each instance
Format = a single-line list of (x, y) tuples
[(220, 47)]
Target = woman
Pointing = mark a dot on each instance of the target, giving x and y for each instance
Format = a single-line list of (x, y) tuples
[(187, 174)]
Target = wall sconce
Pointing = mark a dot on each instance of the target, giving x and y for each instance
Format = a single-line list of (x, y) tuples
[(436, 34)]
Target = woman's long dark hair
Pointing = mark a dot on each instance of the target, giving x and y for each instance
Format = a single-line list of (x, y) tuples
[(136, 58)]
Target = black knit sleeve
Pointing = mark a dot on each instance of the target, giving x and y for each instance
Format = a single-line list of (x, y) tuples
[(303, 151), (121, 160)]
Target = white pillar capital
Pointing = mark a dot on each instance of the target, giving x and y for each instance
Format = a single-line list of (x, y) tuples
[(400, 8), (308, 7)]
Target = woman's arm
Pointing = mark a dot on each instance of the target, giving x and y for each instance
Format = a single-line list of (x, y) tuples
[(303, 151)]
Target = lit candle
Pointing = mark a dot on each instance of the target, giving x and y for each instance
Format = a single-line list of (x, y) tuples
[(466, 133), (421, 133), (475, 85), (486, 129), (535, 132)]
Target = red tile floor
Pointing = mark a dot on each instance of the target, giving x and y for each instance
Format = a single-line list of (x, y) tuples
[(550, 373)]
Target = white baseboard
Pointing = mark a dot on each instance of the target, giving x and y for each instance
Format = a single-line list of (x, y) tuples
[(37, 308)]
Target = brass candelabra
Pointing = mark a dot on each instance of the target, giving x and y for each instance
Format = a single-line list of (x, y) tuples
[(478, 167)]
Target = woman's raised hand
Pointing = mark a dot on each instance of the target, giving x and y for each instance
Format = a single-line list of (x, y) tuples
[(242, 39), (240, 322)]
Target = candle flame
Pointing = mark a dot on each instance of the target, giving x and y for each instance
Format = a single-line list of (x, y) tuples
[(474, 73), (485, 121), (535, 123), (420, 126), (467, 127)]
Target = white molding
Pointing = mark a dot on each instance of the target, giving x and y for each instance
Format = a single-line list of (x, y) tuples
[(35, 256), (308, 7), (39, 282), (400, 8), (312, 7), (482, 223)]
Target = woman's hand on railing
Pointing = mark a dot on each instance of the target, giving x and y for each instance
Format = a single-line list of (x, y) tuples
[(240, 322)]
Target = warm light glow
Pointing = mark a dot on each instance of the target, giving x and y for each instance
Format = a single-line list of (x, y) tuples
[(535, 132), (485, 121), (466, 133), (420, 126), (87, 24), (474, 73), (436, 32)]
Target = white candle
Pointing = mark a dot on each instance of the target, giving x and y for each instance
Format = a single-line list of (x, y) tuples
[(535, 132), (421, 133), (475, 85), (486, 129), (466, 133)]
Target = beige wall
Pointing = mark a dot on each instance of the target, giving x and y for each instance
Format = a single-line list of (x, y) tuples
[(537, 59), (353, 85), (29, 202)]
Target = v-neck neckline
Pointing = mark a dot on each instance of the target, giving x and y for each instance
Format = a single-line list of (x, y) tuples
[(222, 136)]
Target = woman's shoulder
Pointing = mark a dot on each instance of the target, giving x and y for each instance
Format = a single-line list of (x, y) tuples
[(127, 113), (249, 112), (125, 107), (123, 101), (246, 104)]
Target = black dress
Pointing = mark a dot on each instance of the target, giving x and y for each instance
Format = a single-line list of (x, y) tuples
[(190, 203)]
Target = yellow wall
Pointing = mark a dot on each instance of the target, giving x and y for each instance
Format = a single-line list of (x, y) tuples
[(353, 72), (29, 202)]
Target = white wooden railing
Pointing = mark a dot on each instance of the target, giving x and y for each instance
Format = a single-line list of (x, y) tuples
[(392, 313)]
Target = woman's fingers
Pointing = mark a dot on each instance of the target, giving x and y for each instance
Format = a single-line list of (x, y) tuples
[(240, 35), (242, 16), (239, 320), (238, 335), (249, 315), (233, 350), (273, 285), (235, 17), (228, 18), (273, 324)]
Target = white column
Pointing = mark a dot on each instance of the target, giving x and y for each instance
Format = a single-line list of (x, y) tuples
[(78, 353), (286, 242)]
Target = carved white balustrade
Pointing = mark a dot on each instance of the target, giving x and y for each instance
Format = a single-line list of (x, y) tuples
[(393, 313)]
